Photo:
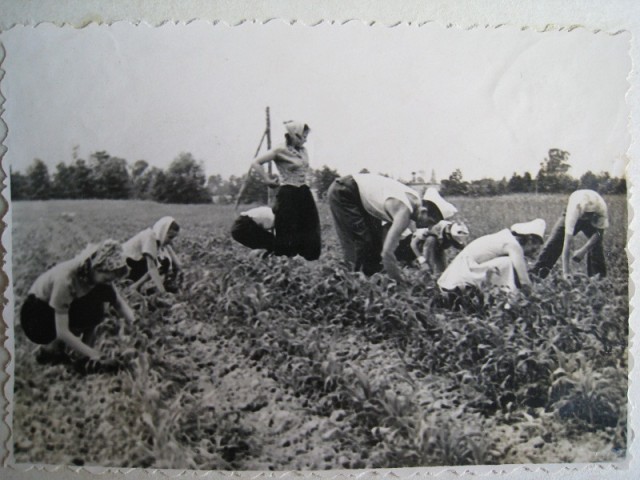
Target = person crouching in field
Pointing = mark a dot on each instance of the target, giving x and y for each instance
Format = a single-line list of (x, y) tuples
[(497, 259), (360, 203), (427, 246), (253, 229), (66, 303), (587, 213), (149, 255), (297, 224)]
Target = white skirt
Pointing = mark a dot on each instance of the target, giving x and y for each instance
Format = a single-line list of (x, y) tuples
[(464, 271)]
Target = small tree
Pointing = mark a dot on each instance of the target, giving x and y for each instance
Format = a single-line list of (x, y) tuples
[(528, 183), (143, 179), (552, 176), (454, 185), (516, 184), (64, 182), (183, 182), (83, 179), (110, 176), (620, 186), (214, 182), (322, 180), (225, 191), (589, 181), (38, 181), (19, 185), (255, 190)]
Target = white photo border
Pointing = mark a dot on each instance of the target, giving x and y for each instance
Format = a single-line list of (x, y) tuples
[(619, 16)]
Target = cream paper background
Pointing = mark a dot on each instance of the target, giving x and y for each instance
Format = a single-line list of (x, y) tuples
[(593, 15)]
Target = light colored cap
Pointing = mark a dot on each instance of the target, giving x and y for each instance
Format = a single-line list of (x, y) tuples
[(446, 209), (460, 233), (534, 227), (459, 229)]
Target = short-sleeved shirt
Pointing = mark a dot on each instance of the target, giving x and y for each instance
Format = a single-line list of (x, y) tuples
[(142, 243), (582, 202), (490, 246), (59, 285), (467, 267), (263, 216), (438, 230), (375, 190)]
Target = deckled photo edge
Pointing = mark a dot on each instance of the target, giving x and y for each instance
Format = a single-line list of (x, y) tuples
[(8, 339)]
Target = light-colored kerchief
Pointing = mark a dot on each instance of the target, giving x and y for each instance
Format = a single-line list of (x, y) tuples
[(161, 228), (446, 209), (534, 227), (296, 128)]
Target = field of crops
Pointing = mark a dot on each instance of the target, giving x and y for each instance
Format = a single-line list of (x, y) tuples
[(280, 364)]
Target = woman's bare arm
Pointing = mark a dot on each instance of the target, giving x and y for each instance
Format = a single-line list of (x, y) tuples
[(63, 333), (152, 269), (400, 214)]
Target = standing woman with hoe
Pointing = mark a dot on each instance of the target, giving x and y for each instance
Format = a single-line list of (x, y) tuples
[(297, 224)]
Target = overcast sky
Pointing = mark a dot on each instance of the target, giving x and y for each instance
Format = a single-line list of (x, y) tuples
[(395, 100)]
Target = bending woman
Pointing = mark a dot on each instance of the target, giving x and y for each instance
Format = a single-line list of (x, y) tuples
[(66, 303), (149, 254), (297, 225), (494, 260), (360, 203), (586, 212), (429, 244)]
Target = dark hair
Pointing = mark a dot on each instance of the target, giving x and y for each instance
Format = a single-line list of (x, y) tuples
[(527, 239), (287, 138), (121, 271), (434, 211), (84, 272)]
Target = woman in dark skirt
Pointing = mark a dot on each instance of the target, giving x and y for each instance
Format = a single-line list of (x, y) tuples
[(149, 255), (66, 303), (297, 225), (254, 229)]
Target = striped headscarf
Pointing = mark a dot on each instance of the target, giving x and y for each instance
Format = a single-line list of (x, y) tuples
[(106, 256)]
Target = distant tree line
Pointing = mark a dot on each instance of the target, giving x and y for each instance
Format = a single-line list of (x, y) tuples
[(103, 176), (552, 177)]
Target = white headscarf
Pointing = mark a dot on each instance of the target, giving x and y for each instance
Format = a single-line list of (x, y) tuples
[(446, 209), (296, 129), (161, 227), (534, 227)]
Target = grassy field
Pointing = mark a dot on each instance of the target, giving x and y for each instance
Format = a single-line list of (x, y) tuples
[(282, 364)]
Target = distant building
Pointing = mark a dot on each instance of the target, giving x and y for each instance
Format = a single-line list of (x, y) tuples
[(419, 183)]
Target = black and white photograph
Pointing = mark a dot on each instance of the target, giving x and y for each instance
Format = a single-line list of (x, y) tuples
[(276, 247)]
